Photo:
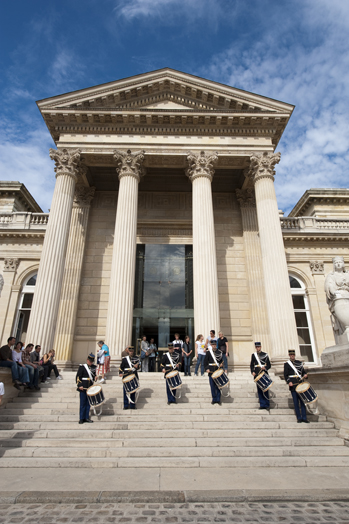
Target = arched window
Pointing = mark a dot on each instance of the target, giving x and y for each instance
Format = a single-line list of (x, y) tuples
[(303, 320), (24, 307)]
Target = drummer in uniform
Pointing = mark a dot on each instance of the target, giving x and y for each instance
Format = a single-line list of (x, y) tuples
[(85, 377), (129, 366), (167, 367), (293, 380), (211, 366), (256, 368)]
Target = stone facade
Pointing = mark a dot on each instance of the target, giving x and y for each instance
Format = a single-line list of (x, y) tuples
[(166, 158)]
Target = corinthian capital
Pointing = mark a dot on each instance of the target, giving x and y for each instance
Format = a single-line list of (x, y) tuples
[(201, 165), (129, 164), (83, 195), (263, 165), (67, 161), (246, 197)]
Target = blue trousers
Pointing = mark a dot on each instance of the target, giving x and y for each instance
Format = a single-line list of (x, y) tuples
[(171, 395), (13, 366), (215, 391), (301, 414), (201, 360), (263, 402), (23, 374), (84, 406), (33, 375), (186, 365), (127, 403)]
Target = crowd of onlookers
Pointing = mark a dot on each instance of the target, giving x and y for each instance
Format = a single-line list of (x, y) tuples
[(27, 366), (186, 353)]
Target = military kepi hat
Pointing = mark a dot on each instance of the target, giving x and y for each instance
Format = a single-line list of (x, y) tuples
[(170, 345), (257, 344), (91, 356), (291, 351)]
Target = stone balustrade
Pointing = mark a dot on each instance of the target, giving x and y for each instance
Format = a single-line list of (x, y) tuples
[(313, 224), (23, 220)]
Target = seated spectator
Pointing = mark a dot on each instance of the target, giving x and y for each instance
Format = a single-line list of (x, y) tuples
[(35, 359), (48, 361), (22, 370), (2, 391), (32, 368), (7, 362)]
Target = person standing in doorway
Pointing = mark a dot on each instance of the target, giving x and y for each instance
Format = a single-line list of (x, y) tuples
[(152, 355), (145, 354), (187, 351)]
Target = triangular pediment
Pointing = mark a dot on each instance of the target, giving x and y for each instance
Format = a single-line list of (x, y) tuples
[(164, 89)]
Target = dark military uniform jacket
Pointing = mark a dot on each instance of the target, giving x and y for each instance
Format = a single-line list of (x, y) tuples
[(166, 363), (264, 359), (125, 368), (209, 362), (82, 377), (289, 374)]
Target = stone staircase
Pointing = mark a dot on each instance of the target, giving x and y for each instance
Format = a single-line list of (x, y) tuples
[(41, 430)]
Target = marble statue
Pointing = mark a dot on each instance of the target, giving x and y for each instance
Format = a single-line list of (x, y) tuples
[(337, 294)]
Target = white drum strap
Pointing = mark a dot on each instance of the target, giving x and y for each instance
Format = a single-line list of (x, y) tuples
[(129, 362), (171, 361), (214, 358), (294, 369), (257, 358), (88, 371)]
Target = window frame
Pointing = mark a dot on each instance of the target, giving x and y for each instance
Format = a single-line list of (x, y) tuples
[(24, 291)]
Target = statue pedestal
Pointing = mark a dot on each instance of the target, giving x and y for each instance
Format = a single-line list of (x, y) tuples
[(336, 356)]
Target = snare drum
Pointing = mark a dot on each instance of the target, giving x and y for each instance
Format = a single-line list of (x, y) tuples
[(220, 378), (263, 381), (131, 383), (306, 393), (95, 395), (174, 380)]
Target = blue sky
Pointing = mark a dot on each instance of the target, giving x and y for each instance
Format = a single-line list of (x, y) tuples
[(296, 51)]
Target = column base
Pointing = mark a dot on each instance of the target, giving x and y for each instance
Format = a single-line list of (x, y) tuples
[(65, 364)]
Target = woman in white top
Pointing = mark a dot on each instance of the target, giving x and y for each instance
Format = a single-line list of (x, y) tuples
[(200, 352), (22, 370)]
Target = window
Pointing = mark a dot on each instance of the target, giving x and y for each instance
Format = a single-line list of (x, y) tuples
[(303, 320), (24, 308)]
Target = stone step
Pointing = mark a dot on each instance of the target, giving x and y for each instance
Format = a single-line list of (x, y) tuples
[(143, 426), (173, 462), (151, 393), (167, 417), (169, 443), (179, 434), (141, 452)]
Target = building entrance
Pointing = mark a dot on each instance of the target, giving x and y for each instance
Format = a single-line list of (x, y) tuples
[(163, 301)]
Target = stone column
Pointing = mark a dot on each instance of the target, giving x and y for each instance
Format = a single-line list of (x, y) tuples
[(63, 342), (43, 317), (120, 305), (282, 324), (206, 303), (259, 315), (9, 298)]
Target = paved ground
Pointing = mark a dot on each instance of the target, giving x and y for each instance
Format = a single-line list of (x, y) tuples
[(286, 513)]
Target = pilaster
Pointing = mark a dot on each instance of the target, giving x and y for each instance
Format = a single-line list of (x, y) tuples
[(259, 315), (8, 298)]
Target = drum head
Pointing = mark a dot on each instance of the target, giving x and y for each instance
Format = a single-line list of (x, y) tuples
[(217, 373), (172, 374), (304, 386), (128, 378), (94, 390)]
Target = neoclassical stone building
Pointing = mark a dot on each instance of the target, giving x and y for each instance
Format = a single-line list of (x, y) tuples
[(164, 218)]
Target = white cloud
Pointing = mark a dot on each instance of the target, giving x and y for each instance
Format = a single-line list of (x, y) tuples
[(311, 70), (28, 162)]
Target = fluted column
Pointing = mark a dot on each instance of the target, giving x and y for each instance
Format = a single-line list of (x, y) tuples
[(206, 303), (43, 317), (63, 342), (282, 324), (259, 315), (120, 305)]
